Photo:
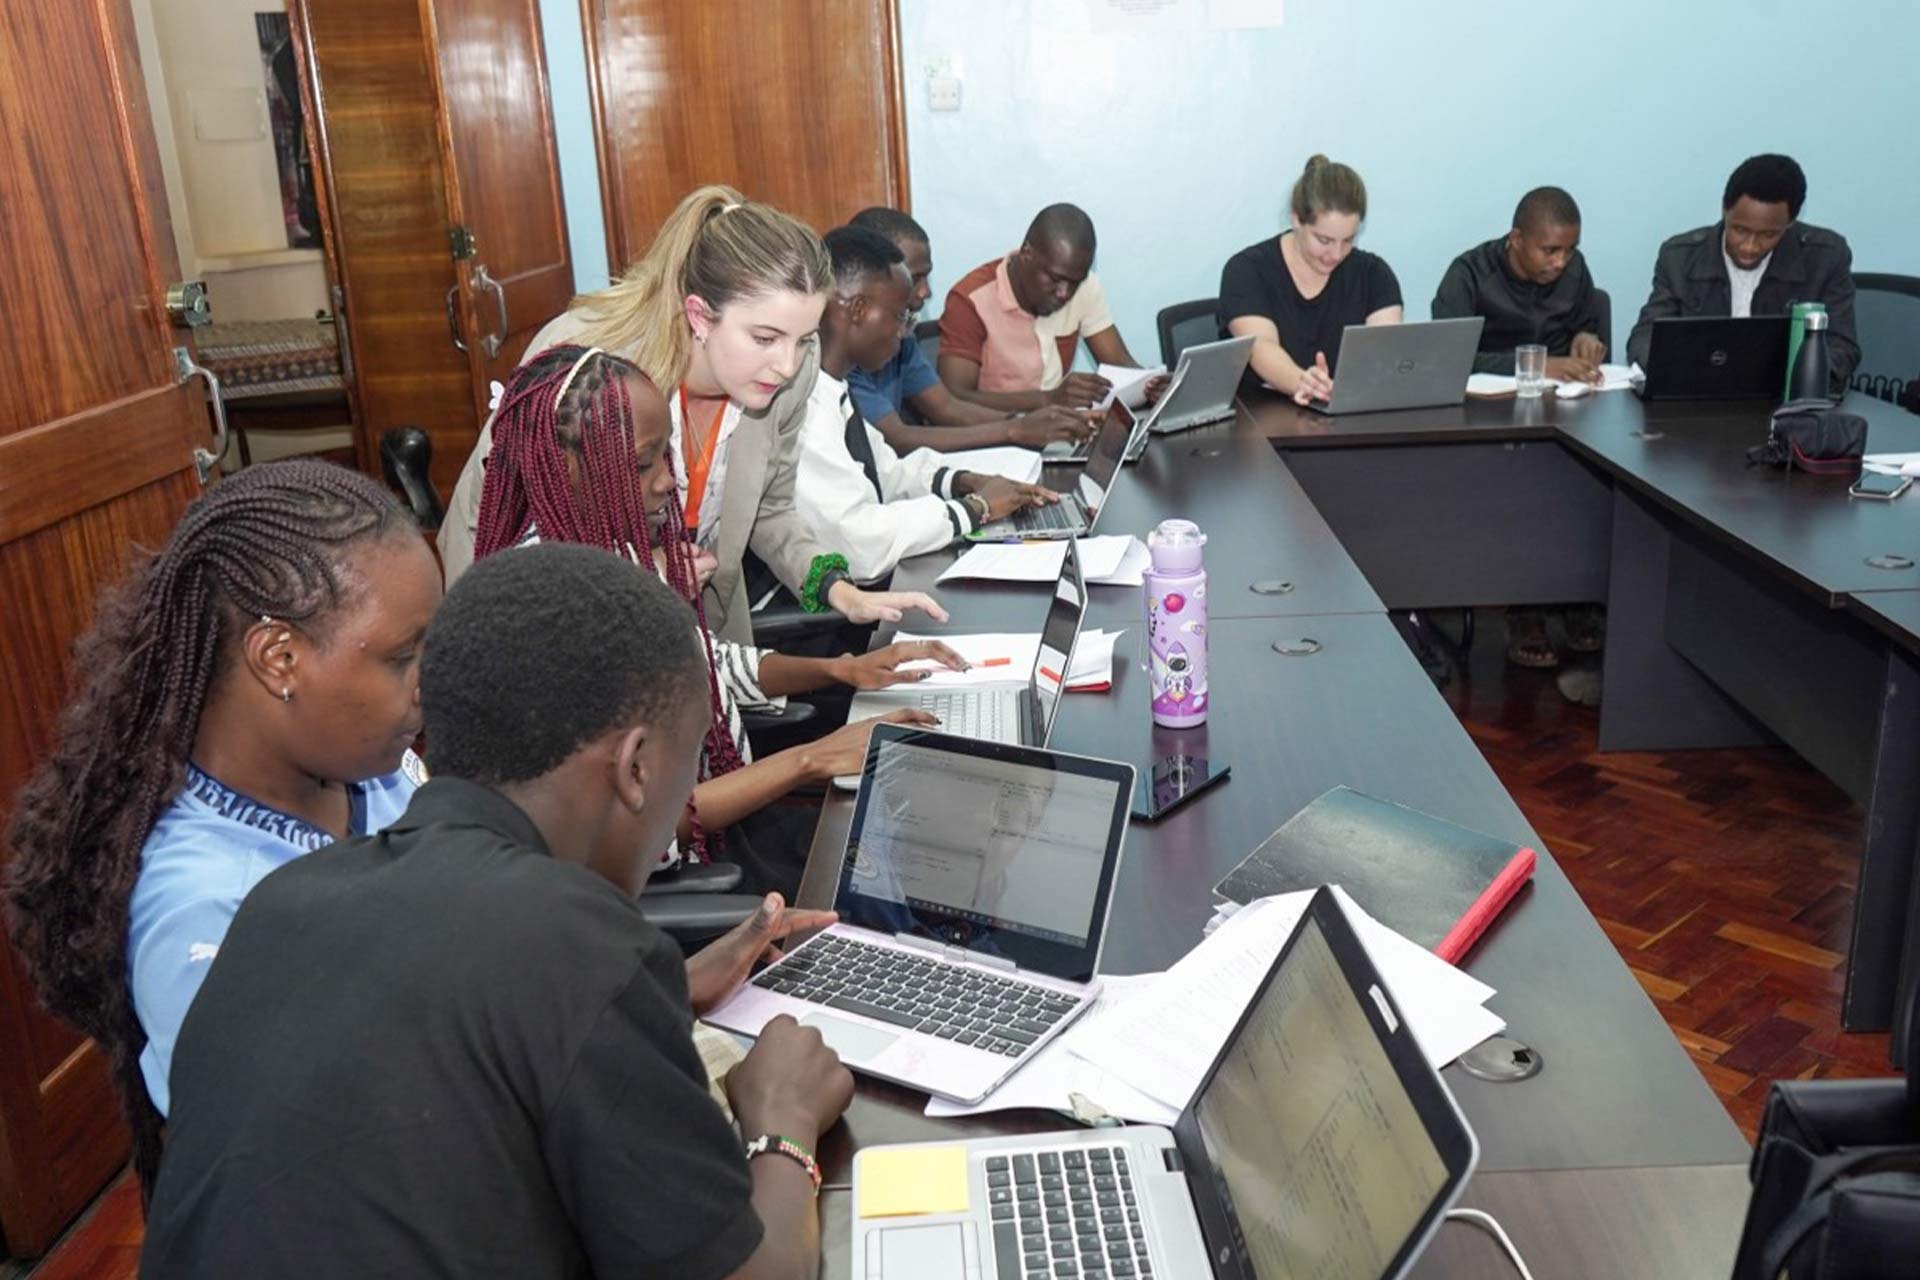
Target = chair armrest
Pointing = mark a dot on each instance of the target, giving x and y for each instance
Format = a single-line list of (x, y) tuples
[(778, 625), (791, 716), (697, 917), (694, 877)]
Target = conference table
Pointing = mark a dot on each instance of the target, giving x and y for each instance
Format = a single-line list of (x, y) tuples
[(1745, 605)]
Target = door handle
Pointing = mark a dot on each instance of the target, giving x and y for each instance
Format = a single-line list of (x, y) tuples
[(453, 320), (185, 367), (341, 336), (493, 341)]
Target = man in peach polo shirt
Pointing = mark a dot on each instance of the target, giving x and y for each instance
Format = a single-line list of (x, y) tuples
[(1011, 328)]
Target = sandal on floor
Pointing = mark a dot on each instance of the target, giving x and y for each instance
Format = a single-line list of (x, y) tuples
[(1586, 626), (1528, 644)]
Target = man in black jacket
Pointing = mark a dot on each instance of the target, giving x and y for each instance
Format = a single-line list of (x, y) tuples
[(1759, 260), (1532, 286)]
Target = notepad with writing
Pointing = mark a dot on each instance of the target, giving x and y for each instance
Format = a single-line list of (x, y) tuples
[(1436, 883)]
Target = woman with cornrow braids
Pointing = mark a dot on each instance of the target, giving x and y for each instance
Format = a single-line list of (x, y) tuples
[(249, 694), (721, 314), (580, 455)]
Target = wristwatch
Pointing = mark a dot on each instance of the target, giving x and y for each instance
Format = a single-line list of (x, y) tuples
[(774, 1144), (977, 505)]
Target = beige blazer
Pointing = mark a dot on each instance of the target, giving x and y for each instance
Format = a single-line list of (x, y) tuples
[(756, 511)]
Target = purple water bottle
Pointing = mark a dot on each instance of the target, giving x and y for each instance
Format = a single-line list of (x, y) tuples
[(1177, 624)]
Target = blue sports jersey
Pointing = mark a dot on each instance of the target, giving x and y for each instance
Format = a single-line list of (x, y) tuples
[(208, 849)]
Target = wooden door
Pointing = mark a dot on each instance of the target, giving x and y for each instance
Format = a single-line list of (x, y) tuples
[(374, 116), (795, 104), (96, 455), (503, 177)]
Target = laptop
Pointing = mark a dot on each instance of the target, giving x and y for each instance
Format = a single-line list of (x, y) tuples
[(1024, 716), (1717, 358), (973, 901), (1204, 385), (1076, 513), (1403, 366), (1320, 1143), (1081, 450)]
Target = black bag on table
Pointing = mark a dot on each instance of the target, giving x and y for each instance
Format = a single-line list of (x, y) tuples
[(1836, 1179), (1813, 436)]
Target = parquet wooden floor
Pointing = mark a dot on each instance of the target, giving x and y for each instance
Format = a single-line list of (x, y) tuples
[(1724, 877)]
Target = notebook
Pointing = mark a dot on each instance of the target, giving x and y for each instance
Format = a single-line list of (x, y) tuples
[(1439, 884)]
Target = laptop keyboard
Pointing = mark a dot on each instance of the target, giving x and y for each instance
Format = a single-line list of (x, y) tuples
[(970, 715), (1059, 515), (1062, 1213), (925, 994)]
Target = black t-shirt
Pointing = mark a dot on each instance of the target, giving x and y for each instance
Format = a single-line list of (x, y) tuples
[(1255, 282), (438, 1051)]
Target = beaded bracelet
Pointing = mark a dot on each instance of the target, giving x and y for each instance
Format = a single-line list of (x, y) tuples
[(773, 1143)]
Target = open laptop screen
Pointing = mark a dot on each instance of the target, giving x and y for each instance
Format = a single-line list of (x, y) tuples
[(1064, 616), (1333, 1150), (1103, 463), (1005, 850)]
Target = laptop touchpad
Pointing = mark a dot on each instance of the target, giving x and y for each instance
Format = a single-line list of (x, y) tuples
[(852, 1041), (925, 1253)]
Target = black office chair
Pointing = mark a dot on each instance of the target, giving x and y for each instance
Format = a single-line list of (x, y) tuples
[(406, 456), (1603, 303), (1886, 314), (693, 905), (1187, 324), (927, 334)]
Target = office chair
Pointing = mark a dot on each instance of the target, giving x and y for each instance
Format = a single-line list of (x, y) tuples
[(1186, 324), (927, 334), (1886, 314), (1603, 303), (692, 905)]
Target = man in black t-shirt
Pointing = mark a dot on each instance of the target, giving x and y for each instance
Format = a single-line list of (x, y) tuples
[(457, 1048), (1533, 287)]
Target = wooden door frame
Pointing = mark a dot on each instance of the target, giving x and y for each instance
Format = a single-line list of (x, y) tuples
[(619, 253)]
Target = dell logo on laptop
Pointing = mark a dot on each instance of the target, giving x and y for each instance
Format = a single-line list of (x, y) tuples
[(1404, 367), (1717, 359)]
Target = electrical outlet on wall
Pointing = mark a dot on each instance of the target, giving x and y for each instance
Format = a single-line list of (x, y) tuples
[(943, 93)]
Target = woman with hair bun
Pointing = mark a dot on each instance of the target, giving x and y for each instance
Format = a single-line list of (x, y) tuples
[(1297, 294)]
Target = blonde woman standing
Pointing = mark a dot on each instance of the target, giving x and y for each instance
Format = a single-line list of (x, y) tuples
[(721, 313)]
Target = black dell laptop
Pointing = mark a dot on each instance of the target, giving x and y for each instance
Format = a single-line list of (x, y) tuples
[(1717, 358)]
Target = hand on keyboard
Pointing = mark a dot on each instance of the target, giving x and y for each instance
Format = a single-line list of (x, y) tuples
[(1004, 496), (845, 749), (1048, 425)]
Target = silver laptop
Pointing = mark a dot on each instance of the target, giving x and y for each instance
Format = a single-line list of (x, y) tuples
[(1137, 431), (1075, 515), (1204, 384), (1403, 366), (973, 900), (1023, 716), (1319, 1144)]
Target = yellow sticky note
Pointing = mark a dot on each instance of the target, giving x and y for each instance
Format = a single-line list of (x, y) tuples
[(896, 1181)]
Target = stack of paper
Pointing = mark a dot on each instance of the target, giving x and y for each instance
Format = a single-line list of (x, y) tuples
[(1006, 460), (1613, 377), (1004, 660), (1170, 1033), (1893, 464), (1110, 560), (1130, 385)]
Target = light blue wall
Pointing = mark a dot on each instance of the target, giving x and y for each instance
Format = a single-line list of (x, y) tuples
[(573, 134), (1183, 145)]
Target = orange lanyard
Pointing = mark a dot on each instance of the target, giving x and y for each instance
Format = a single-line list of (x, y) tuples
[(697, 468)]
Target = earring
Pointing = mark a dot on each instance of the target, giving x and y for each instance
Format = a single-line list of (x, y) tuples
[(286, 694)]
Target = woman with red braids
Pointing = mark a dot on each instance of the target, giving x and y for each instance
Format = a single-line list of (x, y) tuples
[(721, 313), (580, 454)]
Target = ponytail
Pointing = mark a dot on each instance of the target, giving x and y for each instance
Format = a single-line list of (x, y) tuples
[(1325, 186), (716, 245)]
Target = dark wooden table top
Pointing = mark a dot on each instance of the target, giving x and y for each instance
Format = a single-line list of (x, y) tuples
[(1224, 480), (1617, 1088), (1677, 1223), (1895, 613), (1688, 457)]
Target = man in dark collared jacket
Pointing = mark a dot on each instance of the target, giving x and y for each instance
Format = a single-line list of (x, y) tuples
[(1759, 259)]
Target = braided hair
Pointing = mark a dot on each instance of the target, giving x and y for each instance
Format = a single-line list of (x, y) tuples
[(563, 464), (268, 541)]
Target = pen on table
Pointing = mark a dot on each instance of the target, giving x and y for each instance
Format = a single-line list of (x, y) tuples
[(992, 662)]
